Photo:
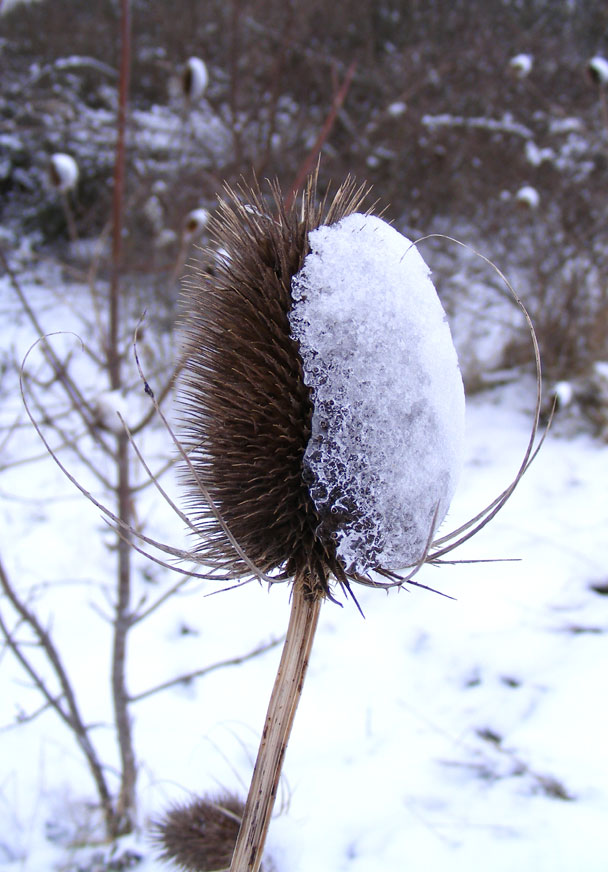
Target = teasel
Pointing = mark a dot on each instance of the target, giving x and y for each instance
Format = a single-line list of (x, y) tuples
[(195, 79), (247, 415), (199, 835), (281, 475)]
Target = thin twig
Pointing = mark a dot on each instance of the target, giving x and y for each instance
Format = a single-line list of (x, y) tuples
[(205, 670), (71, 714), (312, 155)]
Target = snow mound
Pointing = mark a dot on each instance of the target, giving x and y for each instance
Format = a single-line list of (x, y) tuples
[(385, 450)]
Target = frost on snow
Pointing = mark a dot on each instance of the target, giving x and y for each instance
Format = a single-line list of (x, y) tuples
[(385, 450)]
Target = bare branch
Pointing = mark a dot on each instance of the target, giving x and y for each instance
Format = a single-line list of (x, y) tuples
[(205, 670), (71, 714)]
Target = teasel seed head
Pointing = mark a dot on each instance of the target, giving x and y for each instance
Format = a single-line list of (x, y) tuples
[(199, 836), (246, 409), (255, 393), (597, 70), (63, 172), (194, 223), (195, 79)]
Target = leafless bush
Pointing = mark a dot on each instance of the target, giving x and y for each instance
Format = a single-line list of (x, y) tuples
[(437, 118), (74, 413)]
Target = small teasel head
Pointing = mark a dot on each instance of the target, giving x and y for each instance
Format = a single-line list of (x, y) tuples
[(194, 223), (322, 402), (199, 836), (63, 172), (195, 79), (597, 70)]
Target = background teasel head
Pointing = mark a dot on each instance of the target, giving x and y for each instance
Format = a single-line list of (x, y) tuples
[(199, 836), (322, 403)]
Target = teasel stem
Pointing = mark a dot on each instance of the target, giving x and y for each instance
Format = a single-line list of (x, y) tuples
[(305, 607)]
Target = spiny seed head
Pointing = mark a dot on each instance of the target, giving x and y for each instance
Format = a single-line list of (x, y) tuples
[(199, 836), (246, 409), (323, 405)]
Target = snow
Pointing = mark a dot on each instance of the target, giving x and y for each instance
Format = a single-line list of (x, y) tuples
[(598, 67), (63, 172), (521, 65), (537, 156), (564, 393), (196, 78), (396, 109), (387, 427), (528, 196), (195, 222), (506, 124), (435, 733)]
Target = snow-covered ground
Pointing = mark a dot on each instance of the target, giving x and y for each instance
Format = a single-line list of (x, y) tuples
[(464, 733)]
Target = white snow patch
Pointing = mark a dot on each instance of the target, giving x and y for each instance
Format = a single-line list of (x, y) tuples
[(536, 156), (564, 393), (397, 108), (387, 429)]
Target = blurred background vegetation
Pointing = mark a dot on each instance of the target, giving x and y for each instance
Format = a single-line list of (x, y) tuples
[(480, 119)]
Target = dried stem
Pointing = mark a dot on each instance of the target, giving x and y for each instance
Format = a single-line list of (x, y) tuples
[(285, 697)]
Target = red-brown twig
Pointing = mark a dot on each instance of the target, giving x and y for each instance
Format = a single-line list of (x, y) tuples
[(312, 155)]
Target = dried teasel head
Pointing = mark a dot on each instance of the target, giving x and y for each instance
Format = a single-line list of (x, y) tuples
[(199, 836), (63, 172), (195, 79), (597, 70), (312, 446), (194, 223)]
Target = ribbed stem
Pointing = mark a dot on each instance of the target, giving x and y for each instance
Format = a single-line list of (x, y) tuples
[(279, 719)]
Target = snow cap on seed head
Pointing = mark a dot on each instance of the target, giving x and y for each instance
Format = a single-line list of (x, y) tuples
[(528, 196), (521, 65), (195, 79), (597, 69), (63, 172), (195, 222), (322, 402)]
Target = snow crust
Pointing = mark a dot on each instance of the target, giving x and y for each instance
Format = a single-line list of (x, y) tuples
[(385, 450)]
